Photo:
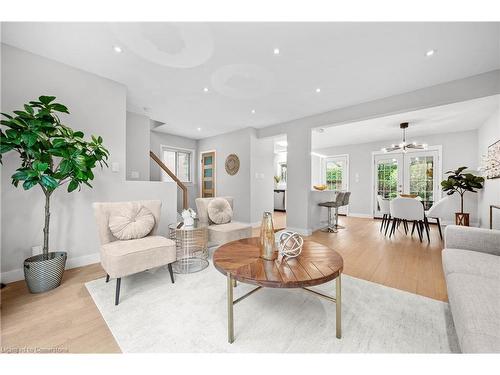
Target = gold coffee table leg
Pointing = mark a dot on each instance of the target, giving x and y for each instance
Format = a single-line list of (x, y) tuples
[(338, 305), (230, 323)]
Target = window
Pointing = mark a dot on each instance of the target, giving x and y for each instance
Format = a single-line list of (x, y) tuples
[(179, 162), (335, 172), (387, 181)]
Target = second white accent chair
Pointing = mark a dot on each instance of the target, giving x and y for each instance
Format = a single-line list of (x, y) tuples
[(404, 210), (439, 210)]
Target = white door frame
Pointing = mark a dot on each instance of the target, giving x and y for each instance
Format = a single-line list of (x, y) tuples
[(439, 164), (200, 171)]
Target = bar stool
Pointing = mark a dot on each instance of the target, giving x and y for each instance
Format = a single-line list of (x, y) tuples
[(345, 202), (336, 203)]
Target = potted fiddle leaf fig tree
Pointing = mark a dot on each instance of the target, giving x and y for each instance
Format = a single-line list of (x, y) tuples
[(460, 182), (52, 156)]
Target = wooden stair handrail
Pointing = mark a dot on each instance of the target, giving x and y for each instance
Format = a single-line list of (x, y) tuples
[(183, 187)]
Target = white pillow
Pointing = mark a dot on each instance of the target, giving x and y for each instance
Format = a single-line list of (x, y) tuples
[(131, 222), (220, 211)]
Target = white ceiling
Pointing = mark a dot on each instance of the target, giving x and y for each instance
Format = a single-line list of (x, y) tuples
[(449, 118), (165, 66)]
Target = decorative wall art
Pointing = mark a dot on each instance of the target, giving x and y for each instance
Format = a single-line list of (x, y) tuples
[(232, 164), (490, 164)]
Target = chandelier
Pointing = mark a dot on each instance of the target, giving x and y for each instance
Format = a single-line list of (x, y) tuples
[(404, 145)]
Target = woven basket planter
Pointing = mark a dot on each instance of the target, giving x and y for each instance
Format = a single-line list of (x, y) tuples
[(43, 273)]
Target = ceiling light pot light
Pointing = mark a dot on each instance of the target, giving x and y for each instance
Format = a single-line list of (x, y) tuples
[(318, 90), (253, 111), (276, 51), (117, 49), (430, 52), (205, 89)]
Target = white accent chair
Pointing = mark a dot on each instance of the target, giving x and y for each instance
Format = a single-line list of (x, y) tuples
[(219, 234), (439, 210), (121, 258), (384, 205), (404, 210)]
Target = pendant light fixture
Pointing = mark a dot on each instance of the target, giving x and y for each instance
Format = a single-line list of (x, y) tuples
[(404, 145)]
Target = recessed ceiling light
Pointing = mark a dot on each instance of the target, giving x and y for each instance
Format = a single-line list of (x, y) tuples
[(205, 89), (117, 49), (253, 111), (199, 129), (320, 130), (430, 52), (276, 51), (318, 90)]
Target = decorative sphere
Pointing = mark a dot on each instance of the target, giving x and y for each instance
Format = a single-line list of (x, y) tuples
[(290, 244)]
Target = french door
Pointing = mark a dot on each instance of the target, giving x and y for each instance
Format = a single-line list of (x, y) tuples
[(415, 173)]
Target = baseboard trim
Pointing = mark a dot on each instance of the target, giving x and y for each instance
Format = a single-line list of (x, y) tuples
[(353, 214), (301, 231), (84, 260)]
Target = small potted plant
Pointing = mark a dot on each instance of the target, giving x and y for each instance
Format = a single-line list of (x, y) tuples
[(460, 182), (52, 155)]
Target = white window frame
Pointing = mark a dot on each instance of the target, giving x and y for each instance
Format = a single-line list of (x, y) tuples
[(179, 149), (323, 168)]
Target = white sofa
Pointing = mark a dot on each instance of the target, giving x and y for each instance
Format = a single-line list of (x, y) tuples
[(471, 264), (219, 234)]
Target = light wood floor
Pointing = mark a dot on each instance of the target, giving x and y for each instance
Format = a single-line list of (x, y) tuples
[(67, 318)]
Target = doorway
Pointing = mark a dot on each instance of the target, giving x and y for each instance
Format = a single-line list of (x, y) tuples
[(208, 174), (415, 173)]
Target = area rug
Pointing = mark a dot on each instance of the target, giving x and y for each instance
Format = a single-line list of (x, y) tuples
[(155, 315)]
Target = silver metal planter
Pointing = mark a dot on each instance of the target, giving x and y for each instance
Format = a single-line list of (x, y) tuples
[(43, 273)]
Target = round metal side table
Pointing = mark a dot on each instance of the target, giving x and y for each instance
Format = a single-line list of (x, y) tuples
[(192, 247)]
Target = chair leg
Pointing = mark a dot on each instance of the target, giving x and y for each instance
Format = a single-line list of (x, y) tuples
[(107, 278), (426, 225), (117, 295), (405, 224), (383, 222), (419, 230), (394, 221), (171, 271), (413, 227), (439, 228), (387, 223)]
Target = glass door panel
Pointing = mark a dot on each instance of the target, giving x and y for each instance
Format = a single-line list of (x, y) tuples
[(208, 174), (388, 176), (422, 177)]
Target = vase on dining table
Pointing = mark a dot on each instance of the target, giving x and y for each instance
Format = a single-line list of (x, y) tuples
[(268, 250)]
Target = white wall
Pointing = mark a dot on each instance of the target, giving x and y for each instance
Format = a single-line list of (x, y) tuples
[(458, 149), (137, 146), (298, 131), (97, 106), (488, 134), (157, 139), (262, 177), (239, 185)]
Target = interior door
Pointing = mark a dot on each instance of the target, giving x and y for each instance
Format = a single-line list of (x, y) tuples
[(388, 176), (336, 176), (208, 174), (421, 176)]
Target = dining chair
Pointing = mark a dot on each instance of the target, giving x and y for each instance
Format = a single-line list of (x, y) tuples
[(404, 210), (385, 210), (439, 210)]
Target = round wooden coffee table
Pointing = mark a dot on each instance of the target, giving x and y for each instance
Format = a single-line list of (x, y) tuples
[(240, 261)]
